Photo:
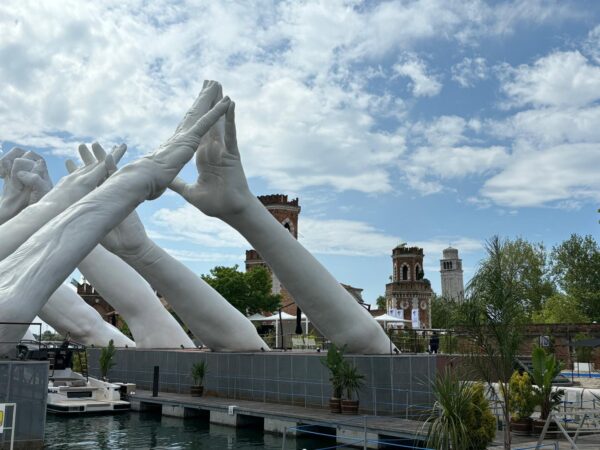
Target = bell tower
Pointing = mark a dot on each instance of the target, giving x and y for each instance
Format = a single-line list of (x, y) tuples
[(452, 275), (409, 289)]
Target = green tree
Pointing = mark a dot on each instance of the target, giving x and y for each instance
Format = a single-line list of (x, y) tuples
[(529, 266), (381, 302), (443, 312), (249, 292), (493, 314), (576, 268), (561, 308)]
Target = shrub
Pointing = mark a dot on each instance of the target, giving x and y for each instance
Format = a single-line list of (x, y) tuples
[(199, 370), (522, 401), (106, 358)]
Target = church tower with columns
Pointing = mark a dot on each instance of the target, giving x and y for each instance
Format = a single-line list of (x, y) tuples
[(452, 275)]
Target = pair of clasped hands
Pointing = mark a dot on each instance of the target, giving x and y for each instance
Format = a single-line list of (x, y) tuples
[(221, 189)]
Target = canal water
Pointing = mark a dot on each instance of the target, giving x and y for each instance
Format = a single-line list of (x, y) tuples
[(135, 430)]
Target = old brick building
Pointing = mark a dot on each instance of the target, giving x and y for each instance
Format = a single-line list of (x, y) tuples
[(93, 298), (409, 290)]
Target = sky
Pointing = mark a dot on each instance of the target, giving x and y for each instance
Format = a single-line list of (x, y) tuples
[(435, 123)]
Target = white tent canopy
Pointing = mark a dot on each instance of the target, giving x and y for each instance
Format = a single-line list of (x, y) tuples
[(275, 319), (388, 318), (259, 318)]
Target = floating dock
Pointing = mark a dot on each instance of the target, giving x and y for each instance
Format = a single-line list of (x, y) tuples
[(283, 419)]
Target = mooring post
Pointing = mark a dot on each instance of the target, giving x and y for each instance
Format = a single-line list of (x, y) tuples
[(365, 426), (155, 382)]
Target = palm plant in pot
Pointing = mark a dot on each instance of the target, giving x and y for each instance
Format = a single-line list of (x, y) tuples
[(352, 381), (522, 402), (199, 370), (545, 368), (334, 362)]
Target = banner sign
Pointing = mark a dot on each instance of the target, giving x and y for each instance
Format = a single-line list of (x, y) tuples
[(415, 318), (2, 415)]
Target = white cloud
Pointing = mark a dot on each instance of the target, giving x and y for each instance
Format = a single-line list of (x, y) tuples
[(320, 236), (188, 224), (560, 79), (422, 83), (469, 71), (209, 257), (445, 152), (560, 173), (113, 71)]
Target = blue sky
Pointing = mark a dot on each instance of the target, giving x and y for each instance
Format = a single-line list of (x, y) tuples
[(429, 122)]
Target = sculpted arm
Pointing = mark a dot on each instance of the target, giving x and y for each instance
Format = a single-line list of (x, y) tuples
[(26, 181), (32, 272), (151, 325), (222, 191), (66, 311), (209, 316)]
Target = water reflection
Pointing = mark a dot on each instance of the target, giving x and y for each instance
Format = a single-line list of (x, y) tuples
[(152, 431)]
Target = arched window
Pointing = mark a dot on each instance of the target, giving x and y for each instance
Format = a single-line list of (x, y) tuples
[(405, 272)]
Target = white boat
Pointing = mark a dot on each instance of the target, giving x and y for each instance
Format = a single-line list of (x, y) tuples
[(71, 392)]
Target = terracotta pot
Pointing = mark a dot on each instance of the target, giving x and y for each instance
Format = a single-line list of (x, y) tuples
[(335, 405), (196, 391), (350, 407), (521, 427), (538, 426)]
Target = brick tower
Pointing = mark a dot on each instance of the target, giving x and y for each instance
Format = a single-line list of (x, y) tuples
[(286, 213), (409, 289)]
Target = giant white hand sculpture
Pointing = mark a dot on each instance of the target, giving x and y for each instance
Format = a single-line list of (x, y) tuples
[(69, 190), (149, 322), (32, 272), (208, 315), (222, 191), (26, 180), (67, 312)]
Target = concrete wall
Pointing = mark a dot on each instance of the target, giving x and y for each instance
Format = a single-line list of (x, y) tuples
[(26, 384), (393, 384)]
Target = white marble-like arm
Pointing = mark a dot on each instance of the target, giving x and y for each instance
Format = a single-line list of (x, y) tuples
[(151, 325), (208, 315), (31, 273), (222, 191), (26, 180), (67, 312)]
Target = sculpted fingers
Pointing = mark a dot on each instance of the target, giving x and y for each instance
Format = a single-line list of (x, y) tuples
[(117, 152), (86, 155), (99, 152), (179, 186), (230, 132), (71, 166), (211, 93)]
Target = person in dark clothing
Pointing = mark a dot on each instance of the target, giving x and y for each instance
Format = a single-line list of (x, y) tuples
[(434, 342)]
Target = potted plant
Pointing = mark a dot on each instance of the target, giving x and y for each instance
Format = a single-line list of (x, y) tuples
[(334, 362), (545, 368), (461, 418), (106, 359), (521, 403), (351, 382), (199, 370)]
